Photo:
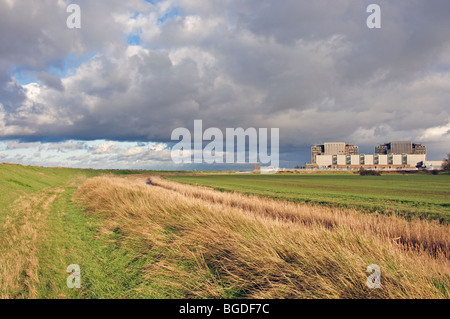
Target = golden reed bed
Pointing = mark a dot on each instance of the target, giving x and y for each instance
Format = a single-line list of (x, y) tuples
[(203, 243)]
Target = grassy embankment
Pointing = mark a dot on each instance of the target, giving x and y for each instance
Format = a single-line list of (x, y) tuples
[(192, 242), (415, 195), (42, 232)]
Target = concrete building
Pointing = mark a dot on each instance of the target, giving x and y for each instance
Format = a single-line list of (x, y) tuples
[(336, 148), (393, 155), (377, 161), (419, 149), (317, 150), (400, 148)]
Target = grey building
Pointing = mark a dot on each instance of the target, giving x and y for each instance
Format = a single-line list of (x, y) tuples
[(336, 148), (392, 155), (401, 147), (419, 149), (316, 150)]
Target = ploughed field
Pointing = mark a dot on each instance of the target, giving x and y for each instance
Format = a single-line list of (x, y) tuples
[(414, 195)]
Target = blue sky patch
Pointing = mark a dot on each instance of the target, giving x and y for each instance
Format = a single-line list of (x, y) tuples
[(171, 14), (62, 69), (134, 39)]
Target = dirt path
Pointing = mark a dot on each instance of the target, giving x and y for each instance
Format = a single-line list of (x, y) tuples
[(23, 231)]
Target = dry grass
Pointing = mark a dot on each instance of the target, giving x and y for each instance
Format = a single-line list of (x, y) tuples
[(207, 244), (418, 234), (22, 233)]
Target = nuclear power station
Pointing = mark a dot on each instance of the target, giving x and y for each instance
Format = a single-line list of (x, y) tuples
[(392, 155)]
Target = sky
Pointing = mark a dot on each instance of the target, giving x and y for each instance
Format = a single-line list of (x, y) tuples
[(110, 94)]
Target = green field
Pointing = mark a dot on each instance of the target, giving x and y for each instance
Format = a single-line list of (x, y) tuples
[(421, 195), (17, 180)]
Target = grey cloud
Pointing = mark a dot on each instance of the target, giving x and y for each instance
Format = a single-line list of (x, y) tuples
[(311, 68), (66, 146), (51, 81), (14, 145)]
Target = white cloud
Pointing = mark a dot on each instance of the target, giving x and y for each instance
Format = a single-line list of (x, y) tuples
[(105, 148), (436, 134)]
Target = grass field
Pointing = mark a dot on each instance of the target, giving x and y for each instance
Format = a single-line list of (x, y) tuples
[(173, 240), (42, 231), (426, 196)]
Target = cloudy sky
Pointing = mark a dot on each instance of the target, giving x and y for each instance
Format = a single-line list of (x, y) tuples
[(110, 94)]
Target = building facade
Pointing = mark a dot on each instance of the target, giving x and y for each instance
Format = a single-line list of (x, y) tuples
[(369, 161), (400, 148), (337, 148), (317, 150), (393, 155)]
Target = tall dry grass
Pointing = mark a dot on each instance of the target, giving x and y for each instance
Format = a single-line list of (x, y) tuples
[(417, 234), (206, 244)]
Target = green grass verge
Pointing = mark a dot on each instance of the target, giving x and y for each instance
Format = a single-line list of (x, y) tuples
[(70, 236), (17, 180), (107, 271)]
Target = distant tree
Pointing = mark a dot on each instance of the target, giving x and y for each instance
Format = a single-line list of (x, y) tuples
[(364, 172), (446, 163), (297, 167)]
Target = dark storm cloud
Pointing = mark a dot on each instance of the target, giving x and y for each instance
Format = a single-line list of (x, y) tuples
[(52, 81), (311, 68)]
